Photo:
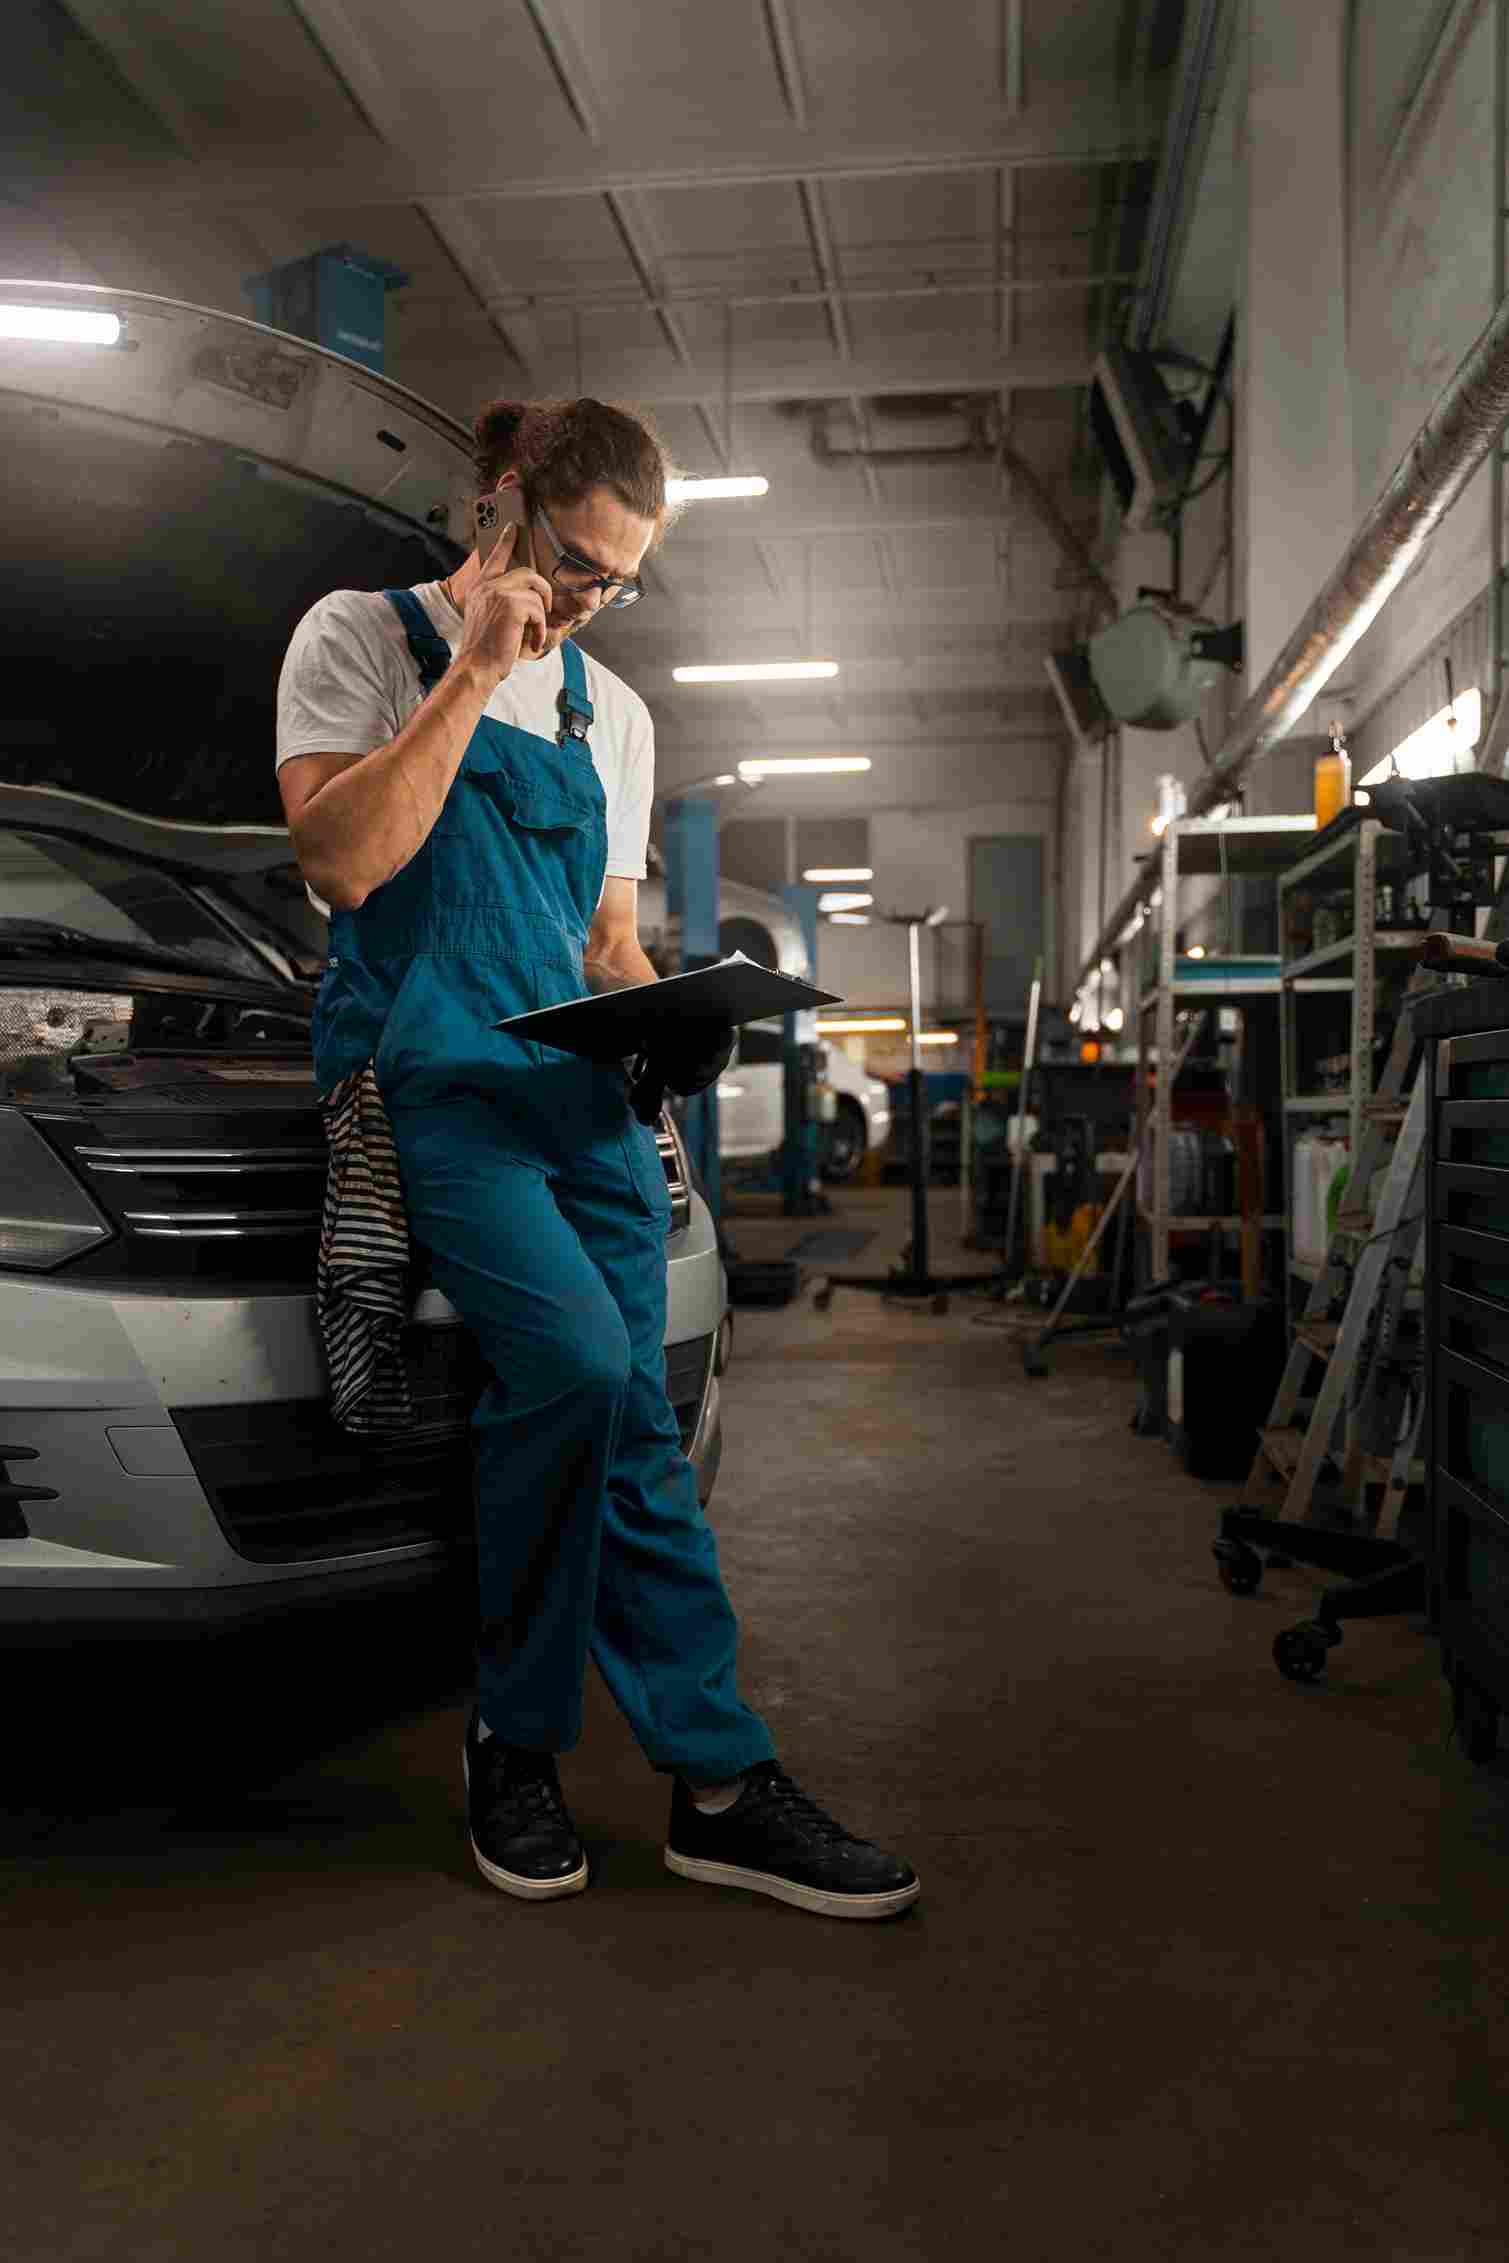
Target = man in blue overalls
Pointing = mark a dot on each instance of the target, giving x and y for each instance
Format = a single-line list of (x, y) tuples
[(451, 795)]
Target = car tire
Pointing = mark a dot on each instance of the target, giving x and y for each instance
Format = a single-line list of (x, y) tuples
[(846, 1143)]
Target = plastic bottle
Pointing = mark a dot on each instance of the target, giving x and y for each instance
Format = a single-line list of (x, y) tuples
[(1333, 782)]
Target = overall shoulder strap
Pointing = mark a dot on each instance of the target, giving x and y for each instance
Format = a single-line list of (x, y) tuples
[(432, 654), (573, 705)]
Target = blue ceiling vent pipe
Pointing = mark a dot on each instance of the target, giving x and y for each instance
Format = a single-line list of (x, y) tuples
[(335, 298)]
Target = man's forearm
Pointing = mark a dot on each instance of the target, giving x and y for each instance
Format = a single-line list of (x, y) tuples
[(620, 966), (367, 822)]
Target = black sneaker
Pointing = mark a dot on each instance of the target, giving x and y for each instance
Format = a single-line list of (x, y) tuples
[(523, 1838), (774, 1840)]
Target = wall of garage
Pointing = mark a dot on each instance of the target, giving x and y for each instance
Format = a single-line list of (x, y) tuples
[(922, 858), (1367, 135)]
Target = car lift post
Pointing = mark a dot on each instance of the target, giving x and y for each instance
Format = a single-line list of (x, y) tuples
[(801, 1191), (691, 891)]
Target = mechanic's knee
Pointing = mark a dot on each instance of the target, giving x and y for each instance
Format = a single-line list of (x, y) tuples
[(595, 1364)]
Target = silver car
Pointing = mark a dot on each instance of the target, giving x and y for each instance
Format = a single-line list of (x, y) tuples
[(167, 1455)]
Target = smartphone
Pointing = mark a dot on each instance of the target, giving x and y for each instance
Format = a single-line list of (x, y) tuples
[(491, 514)]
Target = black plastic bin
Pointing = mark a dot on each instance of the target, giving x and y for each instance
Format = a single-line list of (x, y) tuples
[(1225, 1359)]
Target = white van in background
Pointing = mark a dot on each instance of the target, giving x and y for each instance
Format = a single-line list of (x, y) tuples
[(751, 1101)]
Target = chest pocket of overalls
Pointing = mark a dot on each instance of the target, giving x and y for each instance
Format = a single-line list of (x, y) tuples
[(520, 844)]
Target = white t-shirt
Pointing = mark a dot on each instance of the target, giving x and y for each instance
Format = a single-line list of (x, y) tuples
[(350, 684)]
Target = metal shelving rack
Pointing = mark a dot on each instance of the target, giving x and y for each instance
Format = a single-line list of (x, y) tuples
[(1212, 848), (1358, 856)]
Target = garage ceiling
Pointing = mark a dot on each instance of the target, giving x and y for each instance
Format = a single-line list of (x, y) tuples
[(892, 235)]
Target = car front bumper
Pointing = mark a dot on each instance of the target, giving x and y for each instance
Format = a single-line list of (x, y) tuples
[(136, 1424)]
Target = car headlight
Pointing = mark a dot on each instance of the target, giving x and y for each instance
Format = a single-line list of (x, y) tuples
[(39, 1029), (46, 1217)]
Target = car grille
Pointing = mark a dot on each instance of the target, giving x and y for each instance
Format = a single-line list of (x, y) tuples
[(219, 1195), (288, 1485)]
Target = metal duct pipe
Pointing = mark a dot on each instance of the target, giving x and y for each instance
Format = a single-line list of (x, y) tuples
[(1440, 460), (1176, 173)]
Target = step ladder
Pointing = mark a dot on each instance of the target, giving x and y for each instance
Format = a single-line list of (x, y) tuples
[(1366, 1417)]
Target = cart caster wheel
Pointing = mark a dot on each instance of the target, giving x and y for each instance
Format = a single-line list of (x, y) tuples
[(1033, 1360), (1240, 1567), (1300, 1652), (940, 1303)]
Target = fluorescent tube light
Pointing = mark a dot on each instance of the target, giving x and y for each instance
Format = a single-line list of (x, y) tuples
[(1439, 748), (60, 325), (839, 872), (757, 672), (1114, 1017), (849, 918), (859, 902), (937, 1037), (867, 1025), (802, 765), (1195, 951), (712, 490)]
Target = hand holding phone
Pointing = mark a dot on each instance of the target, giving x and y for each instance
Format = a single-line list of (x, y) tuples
[(507, 613), (491, 514)]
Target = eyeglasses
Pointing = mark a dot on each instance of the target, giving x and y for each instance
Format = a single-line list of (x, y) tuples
[(580, 577)]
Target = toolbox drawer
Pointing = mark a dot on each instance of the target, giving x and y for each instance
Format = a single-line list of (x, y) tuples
[(1475, 1264), (1472, 1556), (1472, 1195), (1472, 1426), (1473, 1126), (1477, 1327)]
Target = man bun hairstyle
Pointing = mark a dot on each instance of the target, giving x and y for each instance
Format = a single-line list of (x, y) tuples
[(561, 449)]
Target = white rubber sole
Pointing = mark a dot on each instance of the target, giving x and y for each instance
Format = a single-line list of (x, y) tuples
[(509, 1881), (530, 1889), (786, 1890)]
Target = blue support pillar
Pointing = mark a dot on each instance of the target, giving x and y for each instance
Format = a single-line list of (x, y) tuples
[(799, 1149), (691, 887)]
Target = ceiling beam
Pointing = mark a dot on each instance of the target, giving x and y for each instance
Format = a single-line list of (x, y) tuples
[(700, 527), (786, 56), (448, 372), (998, 279), (109, 26), (1013, 57), (1081, 130), (569, 65), (703, 606)]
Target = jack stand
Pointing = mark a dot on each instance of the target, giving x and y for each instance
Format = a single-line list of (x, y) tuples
[(913, 1281)]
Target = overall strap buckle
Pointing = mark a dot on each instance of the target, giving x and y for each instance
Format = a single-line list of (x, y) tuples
[(576, 718), (572, 704)]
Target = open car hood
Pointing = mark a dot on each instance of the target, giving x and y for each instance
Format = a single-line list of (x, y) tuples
[(197, 852), (174, 505)]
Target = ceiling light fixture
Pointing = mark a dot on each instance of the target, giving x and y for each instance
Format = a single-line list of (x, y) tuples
[(802, 765), (867, 1025), (857, 902), (848, 919), (712, 490), (839, 872), (60, 325), (757, 672), (937, 1037)]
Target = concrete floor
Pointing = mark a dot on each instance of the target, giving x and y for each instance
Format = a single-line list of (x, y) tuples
[(1206, 1965)]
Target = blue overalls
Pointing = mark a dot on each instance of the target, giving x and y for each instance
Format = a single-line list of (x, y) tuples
[(542, 1207)]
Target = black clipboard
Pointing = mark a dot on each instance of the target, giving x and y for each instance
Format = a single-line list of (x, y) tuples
[(615, 1024)]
